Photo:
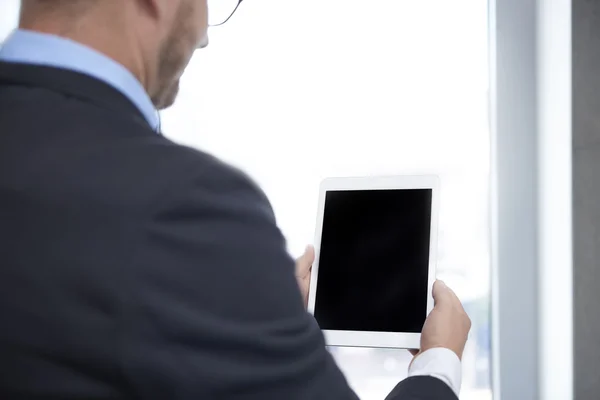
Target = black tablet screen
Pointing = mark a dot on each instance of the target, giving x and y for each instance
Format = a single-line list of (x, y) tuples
[(374, 260)]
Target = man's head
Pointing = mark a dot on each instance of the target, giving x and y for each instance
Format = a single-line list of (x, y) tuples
[(154, 39)]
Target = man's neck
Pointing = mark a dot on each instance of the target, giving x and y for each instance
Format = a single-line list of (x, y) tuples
[(110, 41)]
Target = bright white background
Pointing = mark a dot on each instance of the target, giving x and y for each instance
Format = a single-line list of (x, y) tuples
[(293, 92)]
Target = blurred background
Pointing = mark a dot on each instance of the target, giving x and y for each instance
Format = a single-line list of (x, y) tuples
[(294, 92)]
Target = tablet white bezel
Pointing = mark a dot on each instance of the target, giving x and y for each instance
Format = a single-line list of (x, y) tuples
[(402, 340)]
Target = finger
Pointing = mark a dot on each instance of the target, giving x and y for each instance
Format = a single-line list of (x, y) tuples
[(307, 259), (309, 252), (305, 262)]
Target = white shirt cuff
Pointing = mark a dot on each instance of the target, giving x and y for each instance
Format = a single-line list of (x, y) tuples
[(440, 363)]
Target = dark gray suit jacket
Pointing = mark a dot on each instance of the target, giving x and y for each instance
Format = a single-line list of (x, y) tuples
[(135, 268)]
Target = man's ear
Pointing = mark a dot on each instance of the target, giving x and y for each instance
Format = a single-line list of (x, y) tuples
[(203, 42), (157, 9)]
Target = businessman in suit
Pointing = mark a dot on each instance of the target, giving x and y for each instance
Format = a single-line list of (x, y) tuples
[(135, 268)]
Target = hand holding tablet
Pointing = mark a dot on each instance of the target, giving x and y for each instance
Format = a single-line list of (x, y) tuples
[(448, 325)]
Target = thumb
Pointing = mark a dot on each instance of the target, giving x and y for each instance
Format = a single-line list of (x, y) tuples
[(440, 291)]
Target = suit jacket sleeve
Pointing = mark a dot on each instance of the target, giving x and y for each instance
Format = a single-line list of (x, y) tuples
[(213, 310), (422, 388)]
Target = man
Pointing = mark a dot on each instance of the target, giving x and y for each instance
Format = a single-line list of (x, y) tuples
[(134, 268)]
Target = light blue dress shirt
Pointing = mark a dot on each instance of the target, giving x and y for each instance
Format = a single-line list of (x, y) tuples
[(42, 49)]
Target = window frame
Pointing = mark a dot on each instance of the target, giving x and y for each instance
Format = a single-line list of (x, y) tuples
[(532, 267)]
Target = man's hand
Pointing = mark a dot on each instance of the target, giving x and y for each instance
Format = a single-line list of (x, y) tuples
[(447, 325), (303, 269)]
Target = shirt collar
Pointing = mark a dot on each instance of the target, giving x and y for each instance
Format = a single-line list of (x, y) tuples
[(35, 48)]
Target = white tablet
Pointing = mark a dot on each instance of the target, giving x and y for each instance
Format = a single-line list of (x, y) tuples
[(372, 280)]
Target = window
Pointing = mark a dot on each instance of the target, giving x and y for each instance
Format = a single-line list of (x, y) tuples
[(293, 92), (8, 17), (296, 92)]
